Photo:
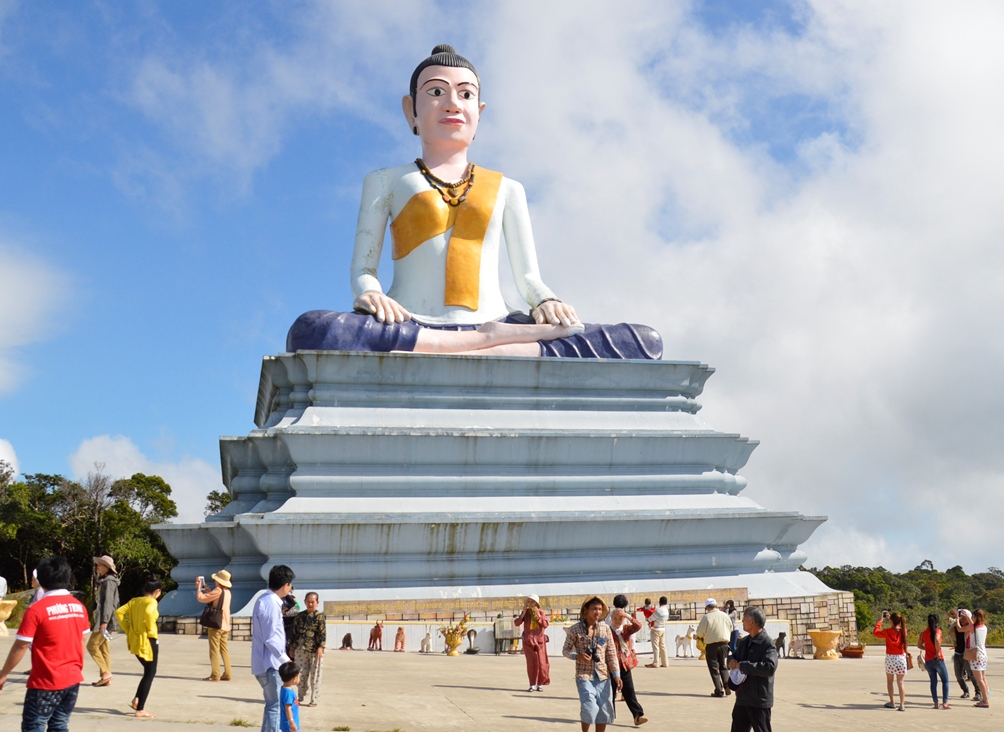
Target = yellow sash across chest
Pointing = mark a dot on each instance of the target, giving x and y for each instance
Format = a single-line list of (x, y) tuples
[(427, 215)]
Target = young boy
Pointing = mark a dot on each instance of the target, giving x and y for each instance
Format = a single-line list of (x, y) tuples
[(289, 706)]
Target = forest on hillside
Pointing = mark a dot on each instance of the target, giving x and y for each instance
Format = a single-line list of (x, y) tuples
[(917, 593)]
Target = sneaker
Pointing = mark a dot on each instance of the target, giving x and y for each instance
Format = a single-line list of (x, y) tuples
[(530, 689), (978, 698), (965, 695), (900, 708), (540, 688), (889, 705)]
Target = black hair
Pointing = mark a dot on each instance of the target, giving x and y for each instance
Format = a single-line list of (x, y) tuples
[(620, 601), (730, 605), (288, 671), (932, 625), (663, 601), (279, 576), (54, 573), (442, 55), (151, 586), (307, 596), (648, 601)]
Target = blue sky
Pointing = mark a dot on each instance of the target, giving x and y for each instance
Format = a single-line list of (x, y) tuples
[(180, 180)]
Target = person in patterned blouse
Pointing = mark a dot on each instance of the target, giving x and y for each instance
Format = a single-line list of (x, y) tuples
[(309, 637), (590, 643)]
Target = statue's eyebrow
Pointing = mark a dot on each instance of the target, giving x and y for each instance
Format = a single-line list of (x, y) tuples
[(462, 83)]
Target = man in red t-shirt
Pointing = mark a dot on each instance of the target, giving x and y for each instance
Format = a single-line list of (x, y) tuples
[(55, 627)]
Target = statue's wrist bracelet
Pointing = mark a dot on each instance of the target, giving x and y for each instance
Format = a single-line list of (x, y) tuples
[(547, 299)]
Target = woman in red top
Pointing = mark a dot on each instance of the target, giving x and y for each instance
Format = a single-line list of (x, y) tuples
[(934, 660), (895, 654), (534, 622)]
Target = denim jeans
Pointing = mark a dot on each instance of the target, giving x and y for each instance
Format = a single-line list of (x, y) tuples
[(935, 669), (48, 708), (271, 684)]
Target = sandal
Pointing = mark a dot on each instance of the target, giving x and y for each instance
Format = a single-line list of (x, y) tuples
[(144, 715), (106, 681), (890, 705), (982, 705), (945, 706), (134, 703)]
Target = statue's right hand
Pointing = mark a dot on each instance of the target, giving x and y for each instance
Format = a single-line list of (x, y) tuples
[(381, 307)]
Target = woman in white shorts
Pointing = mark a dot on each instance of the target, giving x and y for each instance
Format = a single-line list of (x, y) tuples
[(976, 639), (895, 654)]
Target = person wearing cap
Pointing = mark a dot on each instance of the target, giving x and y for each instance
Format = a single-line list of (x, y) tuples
[(751, 673), (106, 601), (534, 622), (217, 636), (716, 629), (963, 671), (590, 643)]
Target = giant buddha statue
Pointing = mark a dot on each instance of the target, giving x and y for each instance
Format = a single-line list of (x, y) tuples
[(447, 217)]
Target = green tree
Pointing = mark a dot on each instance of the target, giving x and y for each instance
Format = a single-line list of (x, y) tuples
[(47, 515), (216, 501)]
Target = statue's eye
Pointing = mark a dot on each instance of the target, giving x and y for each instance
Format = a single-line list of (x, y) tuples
[(436, 92), (466, 94)]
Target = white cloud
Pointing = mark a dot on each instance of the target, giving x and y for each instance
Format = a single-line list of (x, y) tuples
[(8, 455), (851, 295), (30, 293), (190, 479)]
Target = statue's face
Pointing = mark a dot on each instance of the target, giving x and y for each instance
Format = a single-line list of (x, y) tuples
[(448, 106)]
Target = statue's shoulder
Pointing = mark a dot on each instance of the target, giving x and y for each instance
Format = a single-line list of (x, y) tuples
[(387, 177)]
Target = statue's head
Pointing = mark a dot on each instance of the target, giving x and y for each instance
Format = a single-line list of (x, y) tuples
[(444, 102)]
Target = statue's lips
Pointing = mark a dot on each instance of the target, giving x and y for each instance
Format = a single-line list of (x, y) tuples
[(452, 121)]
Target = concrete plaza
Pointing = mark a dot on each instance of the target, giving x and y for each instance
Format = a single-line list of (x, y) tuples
[(386, 691)]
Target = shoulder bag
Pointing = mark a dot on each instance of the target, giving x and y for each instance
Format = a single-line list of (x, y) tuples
[(212, 614)]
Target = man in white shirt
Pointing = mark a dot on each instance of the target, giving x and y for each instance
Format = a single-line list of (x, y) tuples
[(268, 642), (716, 629), (658, 623)]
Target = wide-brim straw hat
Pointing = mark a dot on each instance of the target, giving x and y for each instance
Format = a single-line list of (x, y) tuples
[(223, 578), (534, 599), (106, 561), (589, 601)]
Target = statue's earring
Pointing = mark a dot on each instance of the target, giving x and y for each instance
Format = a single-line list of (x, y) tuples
[(415, 129)]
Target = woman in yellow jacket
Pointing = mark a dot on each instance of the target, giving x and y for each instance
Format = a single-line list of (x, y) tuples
[(138, 619)]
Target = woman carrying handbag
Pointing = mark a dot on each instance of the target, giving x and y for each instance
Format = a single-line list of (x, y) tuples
[(216, 620), (897, 659), (975, 629), (934, 660)]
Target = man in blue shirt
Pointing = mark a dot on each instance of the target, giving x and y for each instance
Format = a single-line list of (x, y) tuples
[(268, 642)]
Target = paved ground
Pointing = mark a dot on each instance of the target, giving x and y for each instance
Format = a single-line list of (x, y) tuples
[(409, 692)]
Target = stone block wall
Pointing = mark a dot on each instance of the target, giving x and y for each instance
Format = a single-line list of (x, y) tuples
[(834, 611)]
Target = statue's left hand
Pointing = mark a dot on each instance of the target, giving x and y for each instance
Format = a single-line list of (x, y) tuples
[(555, 312)]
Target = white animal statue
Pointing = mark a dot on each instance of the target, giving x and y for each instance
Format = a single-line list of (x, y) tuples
[(685, 643), (797, 648), (426, 644)]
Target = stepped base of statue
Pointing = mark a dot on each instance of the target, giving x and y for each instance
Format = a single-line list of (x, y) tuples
[(399, 475)]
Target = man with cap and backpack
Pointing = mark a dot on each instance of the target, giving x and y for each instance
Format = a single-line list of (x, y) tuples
[(106, 602)]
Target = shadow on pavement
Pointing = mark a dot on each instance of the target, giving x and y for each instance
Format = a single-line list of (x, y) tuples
[(545, 719)]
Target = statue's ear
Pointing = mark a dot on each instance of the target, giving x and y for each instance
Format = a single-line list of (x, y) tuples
[(408, 107), (481, 108)]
